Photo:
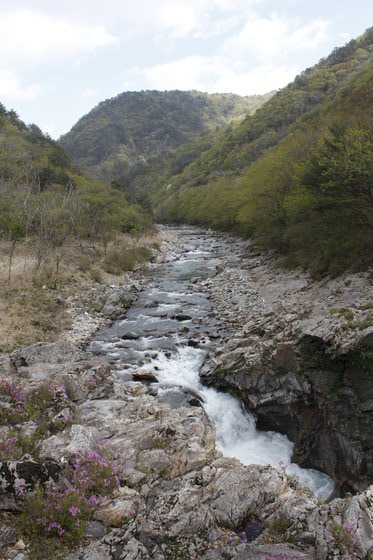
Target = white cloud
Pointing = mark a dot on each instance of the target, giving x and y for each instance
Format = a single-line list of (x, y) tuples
[(272, 38), (90, 92), (10, 87), (183, 15), (262, 79), (177, 74), (212, 74), (36, 37), (251, 61), (180, 19)]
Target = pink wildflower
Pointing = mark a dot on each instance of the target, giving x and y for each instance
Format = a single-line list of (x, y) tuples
[(93, 501), (74, 510)]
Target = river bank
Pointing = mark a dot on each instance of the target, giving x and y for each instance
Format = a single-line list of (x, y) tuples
[(301, 359), (173, 495), (78, 288)]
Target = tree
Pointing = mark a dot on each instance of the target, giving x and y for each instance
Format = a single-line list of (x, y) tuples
[(340, 173), (17, 232)]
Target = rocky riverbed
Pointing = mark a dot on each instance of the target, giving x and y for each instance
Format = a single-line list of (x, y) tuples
[(175, 495), (301, 360)]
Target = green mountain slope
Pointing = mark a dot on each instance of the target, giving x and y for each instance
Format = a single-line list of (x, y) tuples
[(297, 175), (127, 130), (269, 125), (43, 197)]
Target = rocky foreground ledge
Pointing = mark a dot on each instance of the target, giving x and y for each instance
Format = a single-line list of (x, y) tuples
[(176, 496), (138, 480)]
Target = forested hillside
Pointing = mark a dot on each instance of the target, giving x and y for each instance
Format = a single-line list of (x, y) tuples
[(297, 175), (45, 199), (62, 233), (120, 137)]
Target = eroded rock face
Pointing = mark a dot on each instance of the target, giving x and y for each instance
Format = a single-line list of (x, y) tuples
[(301, 361), (154, 439), (202, 515), (180, 499), (325, 409), (19, 477)]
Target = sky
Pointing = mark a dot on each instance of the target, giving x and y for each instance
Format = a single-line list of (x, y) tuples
[(58, 59)]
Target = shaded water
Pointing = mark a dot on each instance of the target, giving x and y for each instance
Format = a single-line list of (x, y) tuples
[(170, 330)]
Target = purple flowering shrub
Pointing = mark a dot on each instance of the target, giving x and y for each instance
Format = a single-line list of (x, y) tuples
[(63, 513), (53, 512), (11, 404), (98, 378), (344, 535), (16, 408), (44, 401), (9, 448), (94, 474), (44, 398), (11, 390), (40, 405)]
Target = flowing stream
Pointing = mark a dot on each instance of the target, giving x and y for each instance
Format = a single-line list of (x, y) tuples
[(169, 331)]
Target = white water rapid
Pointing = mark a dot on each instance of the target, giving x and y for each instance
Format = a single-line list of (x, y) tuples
[(235, 428)]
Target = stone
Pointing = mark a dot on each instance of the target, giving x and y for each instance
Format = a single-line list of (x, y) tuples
[(182, 317), (63, 417), (130, 336), (273, 552), (194, 398), (46, 353), (144, 375), (116, 512), (95, 529), (283, 357), (8, 536), (20, 476), (69, 442), (214, 334)]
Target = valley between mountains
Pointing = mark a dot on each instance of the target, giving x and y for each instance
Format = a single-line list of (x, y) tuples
[(186, 335)]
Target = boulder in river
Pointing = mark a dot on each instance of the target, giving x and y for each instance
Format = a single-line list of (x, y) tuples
[(145, 376)]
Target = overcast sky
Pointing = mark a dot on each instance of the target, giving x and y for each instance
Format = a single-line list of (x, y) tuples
[(58, 59)]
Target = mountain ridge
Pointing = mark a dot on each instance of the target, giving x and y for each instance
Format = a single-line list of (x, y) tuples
[(132, 127)]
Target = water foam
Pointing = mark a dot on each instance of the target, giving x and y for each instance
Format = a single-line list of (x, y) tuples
[(236, 433)]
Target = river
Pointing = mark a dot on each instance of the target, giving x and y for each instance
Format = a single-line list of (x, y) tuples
[(171, 330)]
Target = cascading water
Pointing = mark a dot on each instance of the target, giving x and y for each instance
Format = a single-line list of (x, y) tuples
[(160, 333)]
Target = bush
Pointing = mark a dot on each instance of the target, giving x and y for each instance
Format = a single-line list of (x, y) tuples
[(56, 513), (124, 260), (94, 475)]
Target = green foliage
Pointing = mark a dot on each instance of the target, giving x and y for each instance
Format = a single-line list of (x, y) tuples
[(43, 198), (361, 357), (124, 138), (57, 513), (337, 382), (295, 176), (39, 401), (277, 530), (344, 537), (124, 259)]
